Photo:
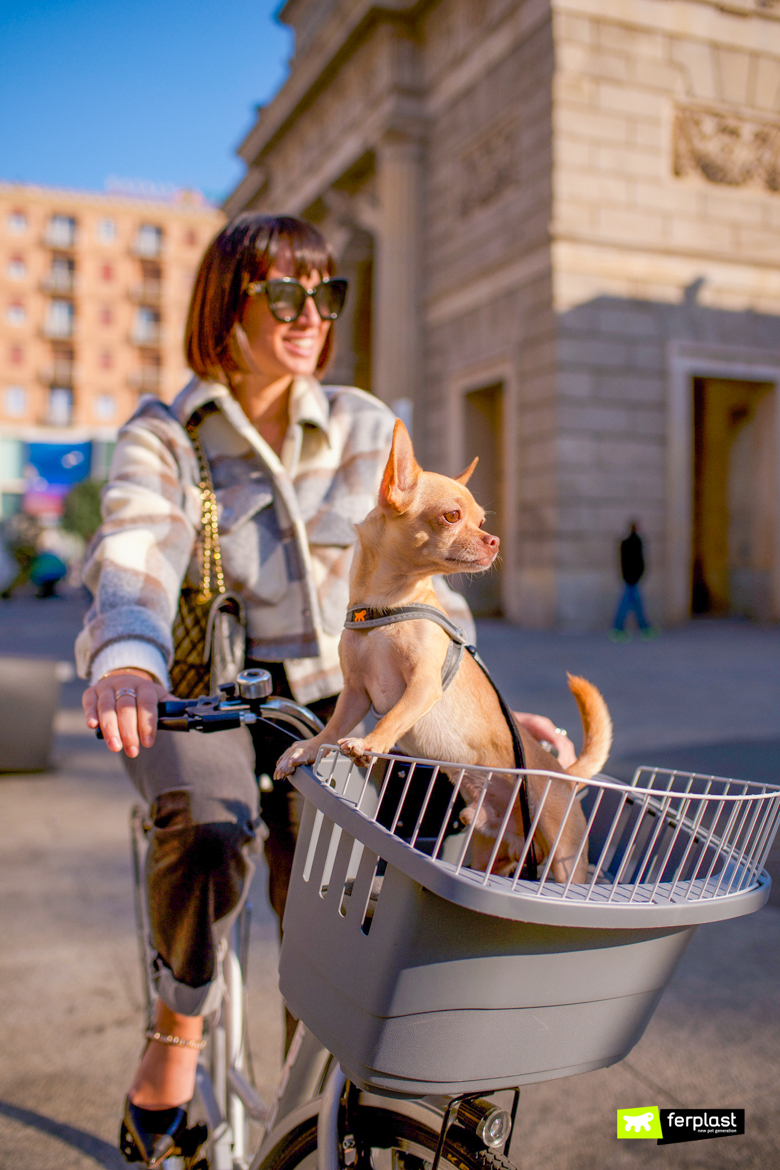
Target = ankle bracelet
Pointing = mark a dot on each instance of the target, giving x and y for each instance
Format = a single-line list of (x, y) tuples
[(176, 1041)]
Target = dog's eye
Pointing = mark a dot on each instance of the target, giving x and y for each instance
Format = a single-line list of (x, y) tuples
[(452, 517)]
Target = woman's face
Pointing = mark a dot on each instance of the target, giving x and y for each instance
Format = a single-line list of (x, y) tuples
[(277, 347)]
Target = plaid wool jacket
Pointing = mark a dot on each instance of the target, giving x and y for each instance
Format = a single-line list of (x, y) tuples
[(286, 528)]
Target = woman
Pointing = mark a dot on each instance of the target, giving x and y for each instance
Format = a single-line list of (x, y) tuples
[(294, 466)]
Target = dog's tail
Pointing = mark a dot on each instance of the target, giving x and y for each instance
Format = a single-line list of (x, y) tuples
[(596, 725)]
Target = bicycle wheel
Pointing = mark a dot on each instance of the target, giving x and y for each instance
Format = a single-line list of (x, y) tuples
[(395, 1142)]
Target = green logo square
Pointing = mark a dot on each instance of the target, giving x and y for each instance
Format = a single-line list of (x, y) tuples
[(639, 1122)]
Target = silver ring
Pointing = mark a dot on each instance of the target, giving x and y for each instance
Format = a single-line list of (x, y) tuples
[(125, 691)]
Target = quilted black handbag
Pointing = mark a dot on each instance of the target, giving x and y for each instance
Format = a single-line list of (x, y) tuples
[(209, 630)]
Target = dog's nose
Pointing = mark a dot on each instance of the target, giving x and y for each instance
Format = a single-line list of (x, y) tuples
[(491, 541)]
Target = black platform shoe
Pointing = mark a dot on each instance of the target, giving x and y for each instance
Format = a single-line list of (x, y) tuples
[(151, 1135)]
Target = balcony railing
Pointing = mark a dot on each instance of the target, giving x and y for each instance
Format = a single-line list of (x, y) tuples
[(146, 247), (58, 330), (146, 335), (59, 236), (147, 379), (58, 282), (147, 293), (59, 373)]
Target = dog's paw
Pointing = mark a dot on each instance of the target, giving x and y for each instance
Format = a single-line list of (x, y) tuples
[(356, 749), (297, 754)]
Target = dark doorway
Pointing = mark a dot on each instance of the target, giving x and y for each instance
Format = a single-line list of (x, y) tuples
[(734, 516), (483, 430)]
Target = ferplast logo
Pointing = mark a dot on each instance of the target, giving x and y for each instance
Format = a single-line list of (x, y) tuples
[(639, 1123), (671, 1126)]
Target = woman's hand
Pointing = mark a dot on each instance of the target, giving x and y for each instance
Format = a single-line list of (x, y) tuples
[(124, 706), (542, 728)]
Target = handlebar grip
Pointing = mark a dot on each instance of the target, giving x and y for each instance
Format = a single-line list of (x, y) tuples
[(173, 723)]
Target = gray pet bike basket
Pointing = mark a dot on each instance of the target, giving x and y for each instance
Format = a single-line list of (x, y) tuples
[(423, 975)]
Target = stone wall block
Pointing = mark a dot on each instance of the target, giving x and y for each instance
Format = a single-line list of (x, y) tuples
[(597, 63), (697, 61), (631, 226), (574, 216), (647, 355), (606, 126), (594, 188), (632, 41), (594, 352), (766, 84), (630, 452), (572, 152), (575, 89), (628, 322), (765, 245), (568, 27), (733, 69), (631, 386), (576, 384), (628, 160), (654, 74), (703, 235), (667, 196), (627, 99), (651, 133)]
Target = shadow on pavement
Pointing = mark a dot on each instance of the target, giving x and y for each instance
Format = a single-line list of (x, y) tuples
[(86, 1143)]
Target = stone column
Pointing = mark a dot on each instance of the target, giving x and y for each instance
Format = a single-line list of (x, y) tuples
[(397, 299)]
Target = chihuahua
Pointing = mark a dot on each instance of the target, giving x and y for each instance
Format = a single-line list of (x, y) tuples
[(427, 524)]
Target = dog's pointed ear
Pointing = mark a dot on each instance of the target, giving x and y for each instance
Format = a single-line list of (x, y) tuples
[(465, 476), (401, 474)]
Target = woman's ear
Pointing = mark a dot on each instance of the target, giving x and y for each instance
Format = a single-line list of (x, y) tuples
[(402, 472)]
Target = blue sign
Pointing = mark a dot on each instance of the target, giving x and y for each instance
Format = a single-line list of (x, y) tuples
[(61, 464)]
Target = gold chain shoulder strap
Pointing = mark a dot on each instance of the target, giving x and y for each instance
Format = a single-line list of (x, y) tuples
[(212, 555)]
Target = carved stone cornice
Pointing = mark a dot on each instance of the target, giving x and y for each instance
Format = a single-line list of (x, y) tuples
[(727, 148)]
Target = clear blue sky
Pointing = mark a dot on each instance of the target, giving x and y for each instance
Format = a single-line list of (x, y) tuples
[(154, 90)]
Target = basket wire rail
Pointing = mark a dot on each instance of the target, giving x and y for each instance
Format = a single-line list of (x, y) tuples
[(666, 837)]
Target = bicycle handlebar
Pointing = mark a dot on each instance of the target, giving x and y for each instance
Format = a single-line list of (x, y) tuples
[(239, 704)]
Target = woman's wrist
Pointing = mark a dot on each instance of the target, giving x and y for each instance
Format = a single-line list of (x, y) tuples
[(137, 670)]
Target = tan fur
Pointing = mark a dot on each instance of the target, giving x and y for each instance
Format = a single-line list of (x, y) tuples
[(409, 537)]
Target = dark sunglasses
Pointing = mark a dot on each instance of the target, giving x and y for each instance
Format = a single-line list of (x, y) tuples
[(287, 297)]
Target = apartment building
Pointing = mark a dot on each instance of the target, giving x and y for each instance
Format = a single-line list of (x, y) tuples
[(94, 292)]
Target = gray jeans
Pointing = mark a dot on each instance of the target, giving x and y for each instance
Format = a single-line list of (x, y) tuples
[(203, 800)]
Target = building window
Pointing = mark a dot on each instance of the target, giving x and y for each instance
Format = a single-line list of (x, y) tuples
[(106, 272), (16, 269), (148, 241), (106, 231), (16, 314), (17, 223), (61, 278), (106, 360), (15, 401), (105, 407), (60, 406), (60, 232), (16, 355), (106, 316), (146, 327), (59, 319)]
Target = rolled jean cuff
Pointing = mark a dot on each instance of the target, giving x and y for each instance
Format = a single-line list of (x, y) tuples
[(187, 1001)]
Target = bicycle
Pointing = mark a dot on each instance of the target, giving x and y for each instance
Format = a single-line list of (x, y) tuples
[(391, 937)]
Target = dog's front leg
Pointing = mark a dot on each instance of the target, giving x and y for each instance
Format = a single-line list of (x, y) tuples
[(421, 694), (352, 705)]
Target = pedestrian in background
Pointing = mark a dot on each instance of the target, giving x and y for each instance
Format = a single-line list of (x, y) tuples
[(632, 568)]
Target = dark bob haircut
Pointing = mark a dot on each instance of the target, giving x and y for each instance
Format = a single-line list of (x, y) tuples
[(244, 251)]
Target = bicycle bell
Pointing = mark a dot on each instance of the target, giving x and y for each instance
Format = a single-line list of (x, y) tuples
[(254, 684)]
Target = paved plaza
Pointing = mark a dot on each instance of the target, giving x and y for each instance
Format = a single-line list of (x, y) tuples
[(704, 695)]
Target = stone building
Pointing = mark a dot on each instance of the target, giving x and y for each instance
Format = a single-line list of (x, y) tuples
[(94, 291), (561, 221)]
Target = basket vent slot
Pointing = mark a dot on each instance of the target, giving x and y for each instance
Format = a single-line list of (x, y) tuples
[(349, 880), (335, 837), (315, 836), (374, 890)]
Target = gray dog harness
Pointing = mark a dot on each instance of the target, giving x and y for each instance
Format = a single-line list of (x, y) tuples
[(362, 617)]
